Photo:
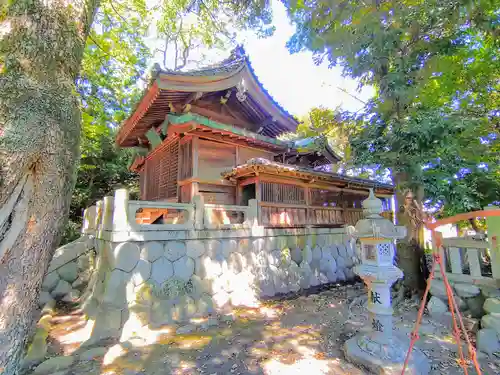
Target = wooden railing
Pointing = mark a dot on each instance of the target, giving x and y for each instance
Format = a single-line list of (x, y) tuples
[(118, 213), (223, 216), (471, 260), (290, 215), (168, 215), (467, 260)]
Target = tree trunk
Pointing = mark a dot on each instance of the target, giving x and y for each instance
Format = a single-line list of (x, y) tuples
[(410, 250), (41, 48)]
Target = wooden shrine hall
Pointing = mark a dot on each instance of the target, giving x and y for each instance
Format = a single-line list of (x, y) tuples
[(215, 133)]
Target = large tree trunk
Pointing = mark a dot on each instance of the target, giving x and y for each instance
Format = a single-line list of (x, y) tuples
[(410, 250), (41, 48)]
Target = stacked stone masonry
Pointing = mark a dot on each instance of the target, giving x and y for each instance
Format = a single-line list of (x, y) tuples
[(166, 282), (69, 271)]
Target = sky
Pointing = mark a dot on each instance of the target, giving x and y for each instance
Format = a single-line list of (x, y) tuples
[(293, 80)]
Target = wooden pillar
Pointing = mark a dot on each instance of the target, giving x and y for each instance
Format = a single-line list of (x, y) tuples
[(258, 198), (307, 194)]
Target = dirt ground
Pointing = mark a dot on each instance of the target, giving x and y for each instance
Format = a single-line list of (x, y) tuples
[(303, 335)]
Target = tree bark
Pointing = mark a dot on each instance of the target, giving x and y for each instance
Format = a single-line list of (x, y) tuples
[(410, 250), (41, 48)]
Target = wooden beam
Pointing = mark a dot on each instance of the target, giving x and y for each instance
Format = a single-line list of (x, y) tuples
[(218, 117), (193, 97), (233, 141)]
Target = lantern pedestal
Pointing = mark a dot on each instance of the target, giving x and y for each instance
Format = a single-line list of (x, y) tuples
[(385, 357)]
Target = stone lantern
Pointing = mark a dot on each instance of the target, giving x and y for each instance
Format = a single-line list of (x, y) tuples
[(379, 350)]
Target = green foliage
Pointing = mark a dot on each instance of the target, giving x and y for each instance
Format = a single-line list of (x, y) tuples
[(435, 65), (186, 25), (115, 60)]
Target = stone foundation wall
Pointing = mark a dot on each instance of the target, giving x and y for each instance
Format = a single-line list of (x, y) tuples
[(157, 278), (69, 271)]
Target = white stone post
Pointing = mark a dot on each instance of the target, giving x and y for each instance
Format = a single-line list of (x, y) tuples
[(199, 212), (107, 213), (89, 220), (120, 211), (253, 212), (379, 350)]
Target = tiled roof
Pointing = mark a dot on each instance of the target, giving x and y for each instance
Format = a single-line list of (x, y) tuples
[(268, 165)]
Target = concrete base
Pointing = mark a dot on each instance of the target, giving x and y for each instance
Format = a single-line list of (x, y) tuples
[(383, 359)]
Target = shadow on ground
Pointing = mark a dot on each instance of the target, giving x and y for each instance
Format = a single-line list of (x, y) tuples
[(295, 336)]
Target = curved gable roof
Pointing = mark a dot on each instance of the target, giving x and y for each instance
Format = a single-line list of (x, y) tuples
[(170, 88)]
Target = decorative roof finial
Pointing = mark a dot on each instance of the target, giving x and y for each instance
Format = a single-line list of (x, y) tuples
[(372, 205)]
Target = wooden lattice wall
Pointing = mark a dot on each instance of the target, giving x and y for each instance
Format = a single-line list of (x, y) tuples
[(160, 172), (282, 193)]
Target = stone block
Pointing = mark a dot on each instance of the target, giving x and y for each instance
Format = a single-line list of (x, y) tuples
[(221, 299), (90, 354), (328, 264), (349, 274), (79, 283), (438, 289), (184, 268), (317, 253), (491, 321), (164, 312), (490, 292), (342, 250), (72, 296), (436, 307), (205, 305), (334, 251), (235, 262), (244, 246), (307, 254), (54, 364), (294, 277), (475, 306), (62, 288), (83, 262), (141, 272), (467, 290), (175, 250), (115, 292), (44, 298), (214, 249), (126, 255), (296, 255), (195, 249), (488, 341), (350, 249), (492, 305), (161, 270), (270, 243), (200, 286), (151, 251), (273, 258), (68, 272), (341, 276), (323, 279), (314, 278), (266, 287), (341, 263), (212, 268), (50, 281), (228, 247)]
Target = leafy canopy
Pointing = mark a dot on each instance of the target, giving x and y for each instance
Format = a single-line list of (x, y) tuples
[(115, 61), (435, 66)]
